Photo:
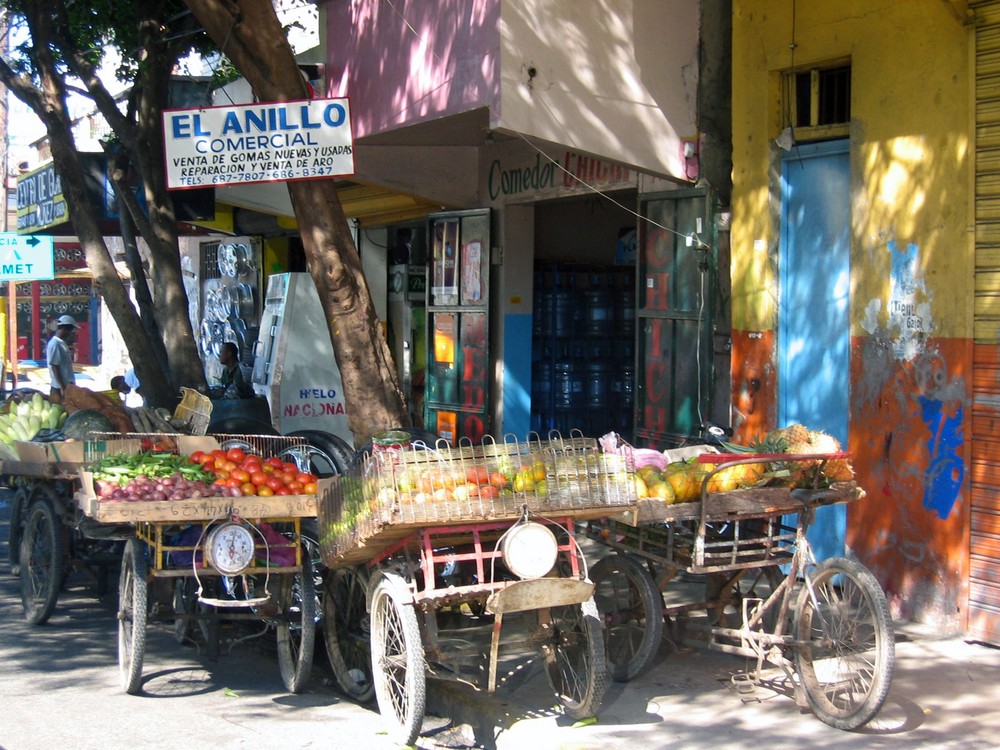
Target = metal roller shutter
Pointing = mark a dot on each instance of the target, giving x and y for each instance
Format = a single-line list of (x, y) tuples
[(984, 543)]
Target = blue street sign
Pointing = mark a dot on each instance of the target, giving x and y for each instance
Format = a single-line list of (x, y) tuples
[(26, 257)]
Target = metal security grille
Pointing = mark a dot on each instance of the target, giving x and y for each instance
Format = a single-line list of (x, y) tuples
[(210, 261), (984, 542)]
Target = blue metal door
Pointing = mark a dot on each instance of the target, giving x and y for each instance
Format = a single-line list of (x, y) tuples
[(813, 313)]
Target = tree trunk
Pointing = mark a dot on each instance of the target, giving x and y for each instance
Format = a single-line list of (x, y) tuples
[(48, 102), (249, 33)]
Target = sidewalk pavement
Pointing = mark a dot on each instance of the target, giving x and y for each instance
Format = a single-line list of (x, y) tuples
[(945, 694)]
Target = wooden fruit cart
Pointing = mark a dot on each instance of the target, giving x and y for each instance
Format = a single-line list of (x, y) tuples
[(425, 543), (49, 538), (192, 561), (825, 624)]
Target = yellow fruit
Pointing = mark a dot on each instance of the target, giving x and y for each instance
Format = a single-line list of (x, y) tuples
[(641, 490), (538, 471), (686, 485), (524, 482), (664, 492)]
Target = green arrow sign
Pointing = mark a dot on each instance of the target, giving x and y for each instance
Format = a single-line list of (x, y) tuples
[(26, 257)]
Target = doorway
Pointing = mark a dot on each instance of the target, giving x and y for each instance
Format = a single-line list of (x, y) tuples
[(814, 307)]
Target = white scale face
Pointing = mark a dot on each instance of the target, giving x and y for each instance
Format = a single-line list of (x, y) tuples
[(230, 548)]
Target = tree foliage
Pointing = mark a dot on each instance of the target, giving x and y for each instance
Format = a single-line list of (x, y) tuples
[(65, 46)]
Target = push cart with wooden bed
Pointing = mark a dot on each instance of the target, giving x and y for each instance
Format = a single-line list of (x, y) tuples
[(187, 562), (825, 624), (425, 545)]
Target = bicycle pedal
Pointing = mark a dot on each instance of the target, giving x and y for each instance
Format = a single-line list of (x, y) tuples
[(746, 686)]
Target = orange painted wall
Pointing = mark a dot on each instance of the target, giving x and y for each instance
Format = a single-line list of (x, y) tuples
[(754, 395), (910, 422)]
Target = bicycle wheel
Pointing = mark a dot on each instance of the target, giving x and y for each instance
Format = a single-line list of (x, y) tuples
[(846, 647), (575, 663), (398, 664), (132, 603), (297, 626), (748, 591), (632, 611), (347, 631), (18, 508), (42, 561)]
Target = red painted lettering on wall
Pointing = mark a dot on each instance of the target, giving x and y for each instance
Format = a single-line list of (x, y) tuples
[(473, 397), (473, 427)]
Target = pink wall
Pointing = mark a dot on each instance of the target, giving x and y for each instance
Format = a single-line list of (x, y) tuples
[(412, 60)]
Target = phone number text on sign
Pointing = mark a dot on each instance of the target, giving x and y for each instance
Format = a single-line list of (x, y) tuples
[(258, 143)]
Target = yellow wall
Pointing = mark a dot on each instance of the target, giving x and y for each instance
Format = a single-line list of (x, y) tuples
[(910, 145)]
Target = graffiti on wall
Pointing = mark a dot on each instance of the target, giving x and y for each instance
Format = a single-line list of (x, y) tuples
[(908, 308), (933, 399)]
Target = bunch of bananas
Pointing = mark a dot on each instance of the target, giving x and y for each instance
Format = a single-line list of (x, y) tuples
[(27, 418)]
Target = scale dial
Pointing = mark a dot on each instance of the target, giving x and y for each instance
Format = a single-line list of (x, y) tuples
[(230, 548)]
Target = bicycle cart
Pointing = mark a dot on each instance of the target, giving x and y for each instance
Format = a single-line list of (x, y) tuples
[(425, 545), (200, 560), (826, 625), (48, 536)]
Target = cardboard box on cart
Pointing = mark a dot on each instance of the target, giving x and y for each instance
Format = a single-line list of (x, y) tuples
[(180, 511)]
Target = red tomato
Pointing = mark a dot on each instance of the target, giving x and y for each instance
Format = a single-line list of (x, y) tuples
[(283, 491), (488, 492), (288, 466), (219, 455), (196, 457), (309, 489), (233, 483), (287, 477), (477, 474), (498, 480), (236, 455), (275, 462), (248, 488), (258, 478), (306, 478), (295, 487), (274, 482), (240, 474)]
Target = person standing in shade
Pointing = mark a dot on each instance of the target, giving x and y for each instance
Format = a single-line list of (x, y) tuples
[(234, 385), (59, 356)]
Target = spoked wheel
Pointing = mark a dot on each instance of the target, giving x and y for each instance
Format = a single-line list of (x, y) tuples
[(133, 596), (746, 593), (398, 660), (847, 647), (297, 626), (186, 606), (42, 560), (632, 610), (347, 631), (19, 505), (574, 657)]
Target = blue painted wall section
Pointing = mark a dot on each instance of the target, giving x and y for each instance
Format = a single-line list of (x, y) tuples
[(946, 469), (517, 376)]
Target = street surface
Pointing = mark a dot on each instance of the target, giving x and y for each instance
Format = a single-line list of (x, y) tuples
[(59, 689)]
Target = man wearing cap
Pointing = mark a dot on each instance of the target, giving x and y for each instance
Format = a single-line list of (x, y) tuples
[(58, 355)]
